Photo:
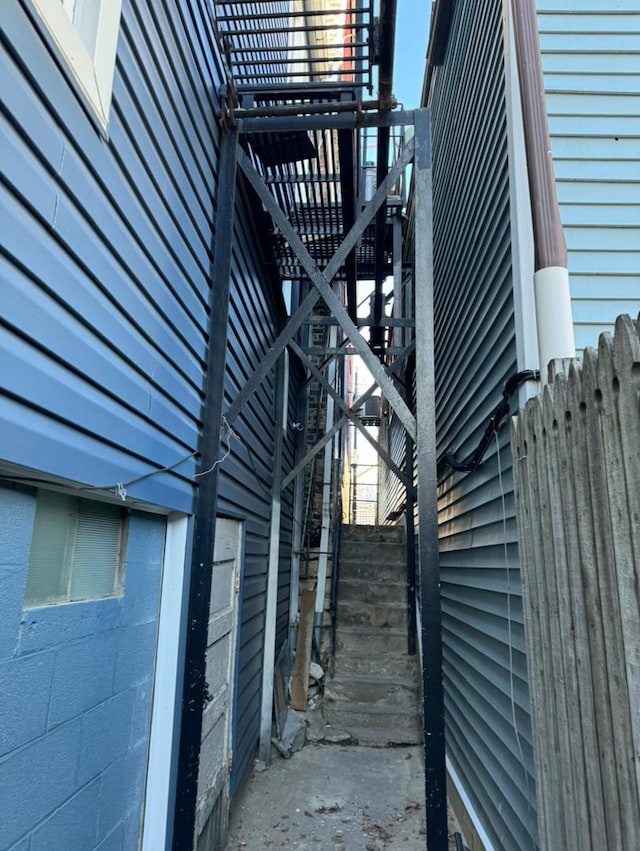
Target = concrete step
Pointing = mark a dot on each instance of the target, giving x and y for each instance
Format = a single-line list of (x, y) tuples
[(371, 690), (357, 613), (350, 532), (378, 552), (393, 666), (386, 737), (392, 588), (372, 641), (372, 571), (381, 717)]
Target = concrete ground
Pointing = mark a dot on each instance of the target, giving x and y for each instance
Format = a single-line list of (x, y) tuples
[(334, 798)]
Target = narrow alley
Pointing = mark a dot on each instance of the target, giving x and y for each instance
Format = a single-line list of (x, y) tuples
[(319, 425)]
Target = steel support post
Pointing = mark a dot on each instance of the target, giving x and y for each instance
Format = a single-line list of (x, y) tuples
[(298, 512), (376, 334), (399, 336), (429, 568), (269, 644), (296, 550), (327, 478), (412, 625), (205, 506), (347, 146)]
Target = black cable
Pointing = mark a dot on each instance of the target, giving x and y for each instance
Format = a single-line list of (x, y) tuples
[(460, 846), (499, 414)]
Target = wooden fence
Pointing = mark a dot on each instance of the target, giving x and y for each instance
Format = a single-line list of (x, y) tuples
[(576, 451)]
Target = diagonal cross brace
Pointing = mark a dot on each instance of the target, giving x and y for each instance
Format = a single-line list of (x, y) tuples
[(359, 402), (384, 455), (307, 305), (321, 283)]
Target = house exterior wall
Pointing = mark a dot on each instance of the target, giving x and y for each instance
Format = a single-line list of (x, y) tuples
[(485, 331), (106, 248), (105, 273), (486, 697), (590, 58), (76, 684)]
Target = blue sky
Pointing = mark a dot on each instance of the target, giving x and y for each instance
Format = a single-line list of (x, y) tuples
[(412, 26)]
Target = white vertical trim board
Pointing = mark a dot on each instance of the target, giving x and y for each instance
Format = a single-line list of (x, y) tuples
[(93, 68), (154, 835), (469, 808)]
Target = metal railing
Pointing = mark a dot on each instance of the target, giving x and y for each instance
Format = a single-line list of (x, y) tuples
[(363, 495)]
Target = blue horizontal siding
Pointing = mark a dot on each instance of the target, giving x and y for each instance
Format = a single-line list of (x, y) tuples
[(105, 256), (105, 262), (578, 21), (572, 42), (563, 7), (591, 63)]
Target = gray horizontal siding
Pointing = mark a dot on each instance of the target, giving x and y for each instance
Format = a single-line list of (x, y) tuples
[(484, 657), (591, 62), (392, 492)]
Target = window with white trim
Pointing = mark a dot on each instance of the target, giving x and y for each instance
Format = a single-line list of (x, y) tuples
[(77, 550), (86, 32)]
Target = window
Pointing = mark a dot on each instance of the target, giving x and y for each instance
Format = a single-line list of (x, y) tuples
[(86, 32), (77, 550)]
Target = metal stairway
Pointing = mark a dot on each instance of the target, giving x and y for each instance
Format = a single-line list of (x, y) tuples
[(374, 692)]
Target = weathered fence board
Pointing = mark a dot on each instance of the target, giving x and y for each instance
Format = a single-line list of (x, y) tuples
[(577, 477)]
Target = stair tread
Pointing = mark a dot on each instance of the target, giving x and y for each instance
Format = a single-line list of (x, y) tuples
[(365, 604), (366, 581), (357, 629), (364, 708), (347, 679), (377, 548), (385, 736), (350, 665)]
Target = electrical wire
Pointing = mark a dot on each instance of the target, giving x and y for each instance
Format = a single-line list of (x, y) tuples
[(120, 488), (498, 416), (226, 433)]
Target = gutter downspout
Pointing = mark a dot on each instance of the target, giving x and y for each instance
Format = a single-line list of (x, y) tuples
[(551, 276)]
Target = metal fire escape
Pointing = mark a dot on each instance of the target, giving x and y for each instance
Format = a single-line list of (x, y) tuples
[(297, 101)]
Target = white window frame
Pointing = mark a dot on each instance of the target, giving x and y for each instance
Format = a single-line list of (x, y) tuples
[(65, 567), (94, 73)]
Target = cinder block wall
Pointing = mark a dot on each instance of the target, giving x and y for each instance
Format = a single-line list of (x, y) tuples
[(75, 697)]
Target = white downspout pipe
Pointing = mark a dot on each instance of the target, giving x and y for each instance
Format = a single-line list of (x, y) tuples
[(554, 317), (551, 278)]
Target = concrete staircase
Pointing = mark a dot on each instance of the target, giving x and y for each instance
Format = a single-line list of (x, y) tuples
[(374, 691)]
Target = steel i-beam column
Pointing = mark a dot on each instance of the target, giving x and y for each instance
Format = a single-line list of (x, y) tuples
[(205, 507), (429, 567)]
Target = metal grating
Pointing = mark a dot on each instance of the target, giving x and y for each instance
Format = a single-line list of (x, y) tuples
[(291, 58), (310, 191), (302, 42)]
